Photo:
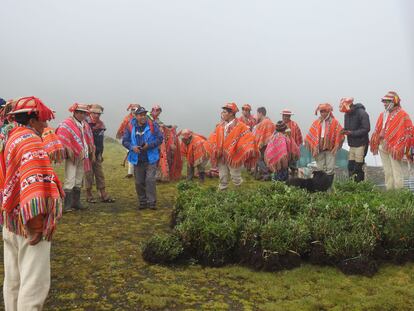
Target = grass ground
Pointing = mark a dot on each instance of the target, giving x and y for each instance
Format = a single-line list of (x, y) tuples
[(97, 265)]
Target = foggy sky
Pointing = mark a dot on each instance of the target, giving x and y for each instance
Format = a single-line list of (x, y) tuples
[(192, 56)]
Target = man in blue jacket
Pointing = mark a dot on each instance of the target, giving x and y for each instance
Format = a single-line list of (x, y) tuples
[(142, 138)]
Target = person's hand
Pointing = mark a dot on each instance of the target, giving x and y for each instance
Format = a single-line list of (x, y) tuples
[(35, 238), (136, 149), (145, 147), (345, 132)]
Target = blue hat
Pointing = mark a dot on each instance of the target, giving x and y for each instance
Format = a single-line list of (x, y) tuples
[(140, 110)]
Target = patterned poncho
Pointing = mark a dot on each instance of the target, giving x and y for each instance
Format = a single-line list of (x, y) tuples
[(53, 145), (295, 132), (279, 151), (235, 148), (263, 131), (195, 152), (79, 142), (170, 163), (324, 135), (250, 121), (396, 134), (28, 184)]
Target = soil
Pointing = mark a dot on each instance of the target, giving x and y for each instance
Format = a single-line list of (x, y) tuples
[(360, 265)]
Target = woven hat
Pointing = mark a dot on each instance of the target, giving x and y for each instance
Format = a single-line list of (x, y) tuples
[(247, 107), (232, 107), (185, 133), (325, 106), (281, 126), (287, 112), (133, 107), (95, 108), (79, 107), (31, 105), (345, 104), (393, 96)]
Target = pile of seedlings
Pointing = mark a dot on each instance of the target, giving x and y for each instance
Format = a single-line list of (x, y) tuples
[(274, 227)]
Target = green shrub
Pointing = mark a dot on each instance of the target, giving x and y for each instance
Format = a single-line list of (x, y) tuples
[(162, 249)]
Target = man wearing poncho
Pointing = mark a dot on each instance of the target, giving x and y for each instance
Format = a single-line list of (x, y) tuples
[(193, 149), (280, 151), (356, 129), (324, 139), (96, 173), (246, 116), (31, 204), (76, 136), (120, 133), (263, 132), (393, 139), (231, 146)]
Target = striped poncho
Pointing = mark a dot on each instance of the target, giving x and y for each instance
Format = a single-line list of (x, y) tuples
[(170, 163), (53, 145), (279, 151), (263, 132), (195, 152), (28, 184), (77, 141), (396, 134), (235, 148)]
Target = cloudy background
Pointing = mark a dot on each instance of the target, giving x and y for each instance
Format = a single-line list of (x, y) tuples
[(192, 56)]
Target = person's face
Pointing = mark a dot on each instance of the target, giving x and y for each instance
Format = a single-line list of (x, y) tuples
[(227, 115), (260, 116), (387, 103), (286, 118), (95, 116), (324, 113), (141, 118), (39, 126), (246, 112), (80, 115), (157, 113)]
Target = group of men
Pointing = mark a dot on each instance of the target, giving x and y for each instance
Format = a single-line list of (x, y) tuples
[(32, 197)]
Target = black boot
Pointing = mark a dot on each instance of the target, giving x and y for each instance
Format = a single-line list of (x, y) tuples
[(331, 179), (351, 168), (359, 172), (67, 204), (202, 176), (76, 203)]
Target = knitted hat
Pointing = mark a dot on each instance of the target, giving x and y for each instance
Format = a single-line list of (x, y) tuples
[(345, 104), (95, 108), (281, 126), (247, 107), (79, 107), (287, 112), (232, 107), (392, 96), (325, 106), (185, 133), (31, 105), (133, 107)]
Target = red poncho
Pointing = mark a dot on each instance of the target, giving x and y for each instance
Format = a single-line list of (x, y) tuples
[(53, 145), (235, 149), (279, 151), (195, 152), (170, 163), (28, 184), (263, 131)]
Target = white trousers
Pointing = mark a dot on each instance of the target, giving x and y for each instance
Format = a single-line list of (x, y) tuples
[(74, 172), (392, 170), (130, 168), (26, 273), (225, 172), (325, 161)]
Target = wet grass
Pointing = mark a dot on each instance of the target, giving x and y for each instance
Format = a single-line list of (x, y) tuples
[(97, 265)]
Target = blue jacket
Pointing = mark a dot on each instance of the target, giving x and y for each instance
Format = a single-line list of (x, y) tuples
[(136, 135)]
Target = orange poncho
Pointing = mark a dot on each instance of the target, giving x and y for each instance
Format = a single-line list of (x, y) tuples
[(250, 122), (237, 148), (195, 152), (397, 134), (170, 163), (263, 132), (53, 146), (295, 132), (123, 126), (332, 140)]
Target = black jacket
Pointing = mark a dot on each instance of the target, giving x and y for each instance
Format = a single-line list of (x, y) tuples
[(357, 121)]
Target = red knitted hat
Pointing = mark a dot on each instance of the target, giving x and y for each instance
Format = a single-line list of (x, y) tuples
[(31, 105)]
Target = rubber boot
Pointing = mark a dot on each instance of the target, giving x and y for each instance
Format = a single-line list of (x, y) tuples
[(359, 172), (351, 168), (331, 179), (67, 204), (76, 203)]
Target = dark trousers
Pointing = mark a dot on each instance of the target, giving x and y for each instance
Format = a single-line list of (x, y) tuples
[(145, 183)]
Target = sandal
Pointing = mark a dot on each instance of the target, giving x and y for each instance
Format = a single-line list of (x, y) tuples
[(91, 200), (108, 199)]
